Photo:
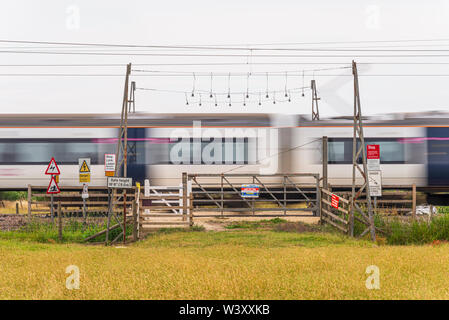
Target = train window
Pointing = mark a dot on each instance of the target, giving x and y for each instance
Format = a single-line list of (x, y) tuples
[(226, 151), (392, 150), (32, 152), (41, 151), (7, 152), (339, 150), (71, 151)]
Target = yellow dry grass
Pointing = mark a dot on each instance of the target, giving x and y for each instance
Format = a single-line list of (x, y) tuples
[(225, 265)]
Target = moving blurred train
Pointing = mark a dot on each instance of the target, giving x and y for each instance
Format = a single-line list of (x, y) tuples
[(414, 147)]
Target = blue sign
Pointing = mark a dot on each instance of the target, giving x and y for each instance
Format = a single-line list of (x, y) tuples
[(250, 191)]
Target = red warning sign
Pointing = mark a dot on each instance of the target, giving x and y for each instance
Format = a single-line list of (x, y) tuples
[(52, 167), (334, 201), (372, 151), (53, 186)]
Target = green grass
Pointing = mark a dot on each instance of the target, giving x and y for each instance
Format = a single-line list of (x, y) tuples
[(418, 232), (443, 209), (73, 232), (13, 195)]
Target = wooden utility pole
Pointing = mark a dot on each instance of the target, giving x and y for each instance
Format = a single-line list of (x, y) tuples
[(357, 151), (132, 97), (315, 111), (121, 156)]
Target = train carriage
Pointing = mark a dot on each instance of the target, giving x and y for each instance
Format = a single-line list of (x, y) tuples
[(414, 147)]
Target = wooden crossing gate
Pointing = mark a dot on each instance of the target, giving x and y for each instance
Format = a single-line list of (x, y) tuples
[(335, 210), (163, 207)]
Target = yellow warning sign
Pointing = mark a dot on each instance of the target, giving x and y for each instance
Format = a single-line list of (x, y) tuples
[(84, 177), (84, 167)]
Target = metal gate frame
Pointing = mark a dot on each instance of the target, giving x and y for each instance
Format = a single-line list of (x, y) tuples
[(223, 186)]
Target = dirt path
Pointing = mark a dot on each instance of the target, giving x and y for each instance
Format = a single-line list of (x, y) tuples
[(211, 224)]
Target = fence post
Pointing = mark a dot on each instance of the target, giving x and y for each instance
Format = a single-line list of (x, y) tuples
[(191, 209), (135, 222), (184, 196), (318, 196), (29, 201), (414, 201), (59, 221), (17, 208), (351, 218)]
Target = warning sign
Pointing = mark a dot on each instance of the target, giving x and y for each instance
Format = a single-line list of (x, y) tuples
[(334, 201), (375, 183), (84, 177), (109, 164), (84, 170), (53, 187), (373, 157), (52, 167), (249, 191)]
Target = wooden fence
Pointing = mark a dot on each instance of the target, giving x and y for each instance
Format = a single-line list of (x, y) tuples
[(338, 216), (395, 200), (72, 203)]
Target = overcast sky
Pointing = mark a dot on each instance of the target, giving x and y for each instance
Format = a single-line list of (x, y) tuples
[(231, 22)]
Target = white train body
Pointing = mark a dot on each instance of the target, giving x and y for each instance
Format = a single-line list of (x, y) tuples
[(254, 144)]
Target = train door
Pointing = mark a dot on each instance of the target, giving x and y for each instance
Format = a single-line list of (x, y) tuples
[(136, 154), (438, 156)]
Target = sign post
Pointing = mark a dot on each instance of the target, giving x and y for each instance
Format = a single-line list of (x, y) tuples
[(84, 178), (374, 172), (53, 171), (85, 195)]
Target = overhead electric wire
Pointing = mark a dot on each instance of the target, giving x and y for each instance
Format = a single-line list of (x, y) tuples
[(187, 75), (256, 73), (227, 55), (220, 46), (219, 92)]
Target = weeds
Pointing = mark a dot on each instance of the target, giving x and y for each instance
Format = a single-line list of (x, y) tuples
[(73, 231)]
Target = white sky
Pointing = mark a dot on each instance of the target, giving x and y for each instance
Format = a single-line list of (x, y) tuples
[(212, 22)]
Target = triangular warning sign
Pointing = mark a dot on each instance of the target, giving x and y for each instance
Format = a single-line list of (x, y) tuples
[(52, 167), (53, 186), (84, 167)]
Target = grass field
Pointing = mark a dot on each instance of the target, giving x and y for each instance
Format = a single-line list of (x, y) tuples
[(233, 264)]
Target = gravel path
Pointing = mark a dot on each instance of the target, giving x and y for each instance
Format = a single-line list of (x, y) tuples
[(10, 222)]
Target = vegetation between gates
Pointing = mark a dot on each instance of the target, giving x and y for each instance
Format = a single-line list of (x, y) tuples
[(73, 231), (397, 232)]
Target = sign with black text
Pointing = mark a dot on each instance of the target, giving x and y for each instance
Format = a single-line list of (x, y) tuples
[(120, 183)]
